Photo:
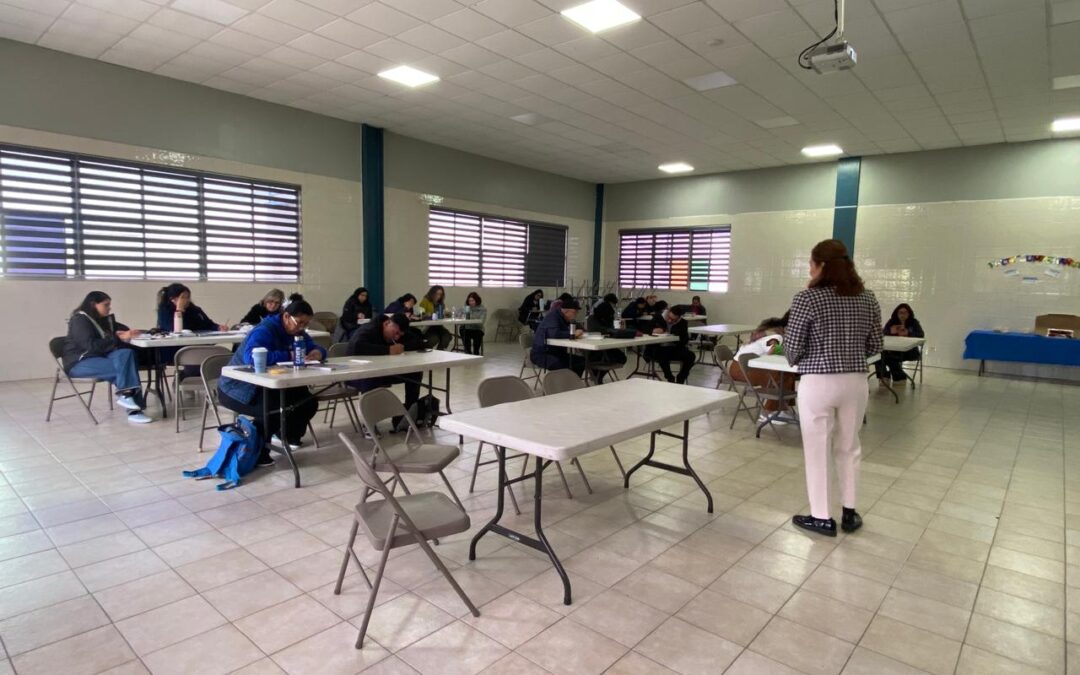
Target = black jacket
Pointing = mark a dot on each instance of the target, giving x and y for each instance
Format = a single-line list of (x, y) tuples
[(602, 320), (255, 315), (528, 306), (679, 329), (194, 318), (368, 340), (352, 307), (914, 328), (630, 311), (88, 337)]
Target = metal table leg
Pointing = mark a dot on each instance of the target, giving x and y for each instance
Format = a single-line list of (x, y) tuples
[(282, 409), (684, 470)]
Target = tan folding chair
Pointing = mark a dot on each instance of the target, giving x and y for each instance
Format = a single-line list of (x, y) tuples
[(762, 394), (505, 321), (493, 391), (558, 381), (56, 348), (338, 394), (211, 373), (723, 356), (326, 321), (391, 523), (525, 340), (190, 356), (410, 454)]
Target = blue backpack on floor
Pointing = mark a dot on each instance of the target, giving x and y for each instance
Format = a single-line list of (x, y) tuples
[(236, 455)]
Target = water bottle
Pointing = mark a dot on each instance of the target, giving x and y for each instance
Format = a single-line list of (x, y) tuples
[(178, 322), (468, 312), (298, 354), (453, 312)]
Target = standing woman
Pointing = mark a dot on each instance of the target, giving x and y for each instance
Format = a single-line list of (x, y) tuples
[(832, 330), (96, 347), (270, 304), (472, 335), (434, 303), (356, 309)]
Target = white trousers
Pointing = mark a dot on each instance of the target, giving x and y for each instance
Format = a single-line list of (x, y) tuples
[(831, 410)]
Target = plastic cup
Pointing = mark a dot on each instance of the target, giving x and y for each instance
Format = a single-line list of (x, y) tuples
[(258, 358)]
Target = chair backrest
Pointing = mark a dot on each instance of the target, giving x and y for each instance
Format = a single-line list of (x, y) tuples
[(364, 469), (324, 341), (723, 353), (505, 316), (211, 368), (56, 347), (505, 389), (337, 349), (558, 381), (378, 405), (746, 359), (525, 340), (328, 320), (194, 356)]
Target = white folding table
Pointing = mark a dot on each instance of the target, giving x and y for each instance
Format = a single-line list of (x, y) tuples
[(896, 343), (596, 344), (719, 331), (454, 323), (344, 369), (539, 427)]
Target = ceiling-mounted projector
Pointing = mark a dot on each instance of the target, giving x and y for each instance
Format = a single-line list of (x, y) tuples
[(830, 58)]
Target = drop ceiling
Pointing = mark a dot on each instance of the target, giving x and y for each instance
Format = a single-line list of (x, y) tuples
[(521, 83)]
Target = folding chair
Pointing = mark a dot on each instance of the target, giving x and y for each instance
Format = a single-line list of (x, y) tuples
[(327, 321), (493, 391), (766, 393), (558, 381), (210, 373), (391, 523), (723, 356), (505, 321), (191, 356), (56, 348), (339, 393), (525, 339)]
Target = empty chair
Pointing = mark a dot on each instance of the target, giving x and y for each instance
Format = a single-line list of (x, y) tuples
[(56, 348), (391, 523), (505, 322), (340, 393), (210, 373), (409, 454), (493, 391), (324, 321), (525, 340), (324, 341), (558, 381), (183, 382), (723, 356)]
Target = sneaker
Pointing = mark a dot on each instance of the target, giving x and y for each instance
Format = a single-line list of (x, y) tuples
[(778, 421), (138, 417), (127, 402), (276, 442), (265, 460)]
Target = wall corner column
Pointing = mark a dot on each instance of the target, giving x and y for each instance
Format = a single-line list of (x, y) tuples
[(371, 180), (847, 201), (598, 235)]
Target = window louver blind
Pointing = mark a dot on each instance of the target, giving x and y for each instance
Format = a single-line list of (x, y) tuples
[(694, 259), (467, 249), (84, 217)]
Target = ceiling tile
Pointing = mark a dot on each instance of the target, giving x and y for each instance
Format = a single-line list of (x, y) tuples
[(249, 44), (140, 10), (427, 10), (267, 28), (296, 13), (184, 23), (737, 10), (25, 18), (468, 25), (320, 46), (217, 11), (98, 19), (512, 12), (348, 33), (430, 38), (383, 18), (551, 30)]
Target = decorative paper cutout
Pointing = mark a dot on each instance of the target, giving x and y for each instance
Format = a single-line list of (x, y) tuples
[(1038, 259)]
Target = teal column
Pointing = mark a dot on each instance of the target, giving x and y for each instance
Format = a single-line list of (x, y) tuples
[(371, 179), (598, 234), (847, 201)]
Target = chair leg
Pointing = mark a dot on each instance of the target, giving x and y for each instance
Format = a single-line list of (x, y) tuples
[(202, 425), (52, 396), (450, 487), (352, 415), (375, 584), (109, 391), (178, 402), (85, 403), (581, 470), (618, 461), (330, 413), (345, 560), (311, 430), (446, 573), (562, 476)]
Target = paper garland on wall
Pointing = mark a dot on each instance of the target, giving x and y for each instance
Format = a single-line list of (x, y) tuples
[(1038, 259)]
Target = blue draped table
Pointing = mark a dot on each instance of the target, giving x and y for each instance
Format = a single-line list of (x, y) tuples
[(988, 345)]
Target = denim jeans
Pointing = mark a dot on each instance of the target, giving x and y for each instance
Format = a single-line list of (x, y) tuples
[(119, 366)]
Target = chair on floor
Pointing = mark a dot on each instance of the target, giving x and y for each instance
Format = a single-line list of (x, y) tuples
[(761, 394), (391, 523), (917, 369), (505, 322), (340, 393), (408, 453), (327, 321), (210, 373), (184, 383), (558, 381), (56, 348), (723, 356), (525, 340), (493, 391)]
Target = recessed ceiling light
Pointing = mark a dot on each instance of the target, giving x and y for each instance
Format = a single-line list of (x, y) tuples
[(600, 15), (777, 122), (1067, 82), (409, 76), (710, 81), (532, 119), (675, 167), (1066, 124), (822, 150)]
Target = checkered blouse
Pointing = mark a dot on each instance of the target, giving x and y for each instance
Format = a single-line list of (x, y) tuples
[(830, 334)]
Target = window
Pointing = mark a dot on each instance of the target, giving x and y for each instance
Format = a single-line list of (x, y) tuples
[(71, 216), (468, 249), (694, 259)]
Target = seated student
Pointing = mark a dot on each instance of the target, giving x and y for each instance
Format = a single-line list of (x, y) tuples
[(403, 305), (669, 320), (696, 308), (96, 347), (275, 334), (270, 304), (650, 304), (902, 323), (767, 338), (434, 304), (529, 311), (556, 325), (387, 336), (357, 307), (602, 320), (177, 298), (558, 302), (634, 309), (472, 335)]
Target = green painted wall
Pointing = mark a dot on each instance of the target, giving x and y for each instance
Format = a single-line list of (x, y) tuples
[(61, 93)]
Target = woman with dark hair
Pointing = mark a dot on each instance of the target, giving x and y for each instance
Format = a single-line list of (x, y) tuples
[(270, 304), (356, 309), (275, 334), (403, 305), (832, 330), (177, 298), (472, 335), (902, 323), (529, 312), (96, 347), (434, 303), (696, 308)]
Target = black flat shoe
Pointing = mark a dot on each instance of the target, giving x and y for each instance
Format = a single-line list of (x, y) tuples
[(826, 527), (850, 521)]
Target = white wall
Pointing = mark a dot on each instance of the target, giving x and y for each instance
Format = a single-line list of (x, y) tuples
[(331, 244)]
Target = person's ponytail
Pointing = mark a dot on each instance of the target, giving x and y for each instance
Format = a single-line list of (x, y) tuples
[(837, 268)]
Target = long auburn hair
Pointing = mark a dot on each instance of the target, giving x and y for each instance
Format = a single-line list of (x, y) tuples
[(837, 270)]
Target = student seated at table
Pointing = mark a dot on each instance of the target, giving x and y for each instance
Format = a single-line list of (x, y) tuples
[(650, 304), (269, 305), (634, 310), (767, 338), (434, 304), (602, 320), (696, 308), (96, 347), (902, 323), (177, 298), (669, 321), (529, 310), (403, 305), (357, 307), (558, 302), (387, 336), (472, 335), (556, 326), (275, 334)]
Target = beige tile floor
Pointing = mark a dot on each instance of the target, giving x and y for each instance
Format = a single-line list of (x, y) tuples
[(111, 562)]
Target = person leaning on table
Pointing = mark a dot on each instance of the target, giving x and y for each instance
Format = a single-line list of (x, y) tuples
[(270, 304), (556, 326), (669, 321), (387, 336), (602, 320), (833, 328)]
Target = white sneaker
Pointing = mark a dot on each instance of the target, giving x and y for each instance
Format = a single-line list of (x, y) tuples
[(762, 419), (138, 417), (276, 442), (127, 402)]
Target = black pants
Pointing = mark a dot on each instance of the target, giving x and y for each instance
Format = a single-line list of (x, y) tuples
[(665, 355), (410, 380), (561, 362), (473, 340), (299, 417), (438, 337), (892, 364)]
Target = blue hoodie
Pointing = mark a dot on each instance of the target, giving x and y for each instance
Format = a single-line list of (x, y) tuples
[(271, 335)]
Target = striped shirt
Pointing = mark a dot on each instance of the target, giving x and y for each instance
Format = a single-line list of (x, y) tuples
[(831, 334)]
